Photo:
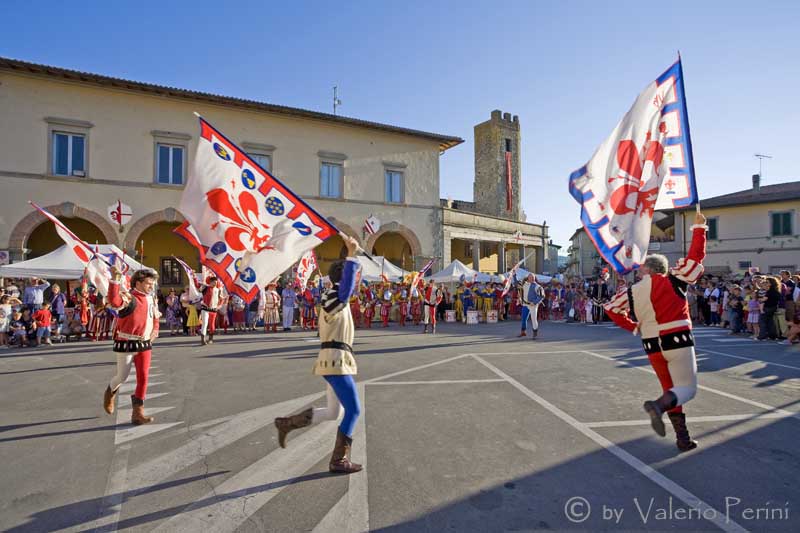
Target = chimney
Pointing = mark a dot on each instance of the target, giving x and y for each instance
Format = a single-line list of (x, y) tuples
[(756, 182)]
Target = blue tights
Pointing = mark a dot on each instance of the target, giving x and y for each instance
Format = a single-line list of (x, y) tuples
[(346, 392)]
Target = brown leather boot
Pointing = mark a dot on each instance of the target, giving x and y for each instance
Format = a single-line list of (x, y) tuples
[(522, 334), (340, 459), (137, 417), (108, 400), (203, 341), (287, 424), (684, 441), (657, 408)]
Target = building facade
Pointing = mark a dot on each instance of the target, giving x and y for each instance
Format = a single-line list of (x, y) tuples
[(755, 228), (76, 143)]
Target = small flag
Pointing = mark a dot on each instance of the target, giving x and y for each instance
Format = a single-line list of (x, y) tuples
[(372, 224), (305, 267)]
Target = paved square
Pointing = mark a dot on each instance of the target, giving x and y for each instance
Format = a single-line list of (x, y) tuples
[(470, 429)]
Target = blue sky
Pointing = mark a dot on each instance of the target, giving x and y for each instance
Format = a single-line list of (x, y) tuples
[(569, 69)]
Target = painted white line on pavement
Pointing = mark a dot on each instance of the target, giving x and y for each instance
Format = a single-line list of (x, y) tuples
[(236, 499), (123, 414), (438, 382), (750, 359), (729, 340), (111, 506), (357, 510), (131, 432), (166, 465), (720, 418), (719, 519), (709, 389), (130, 386)]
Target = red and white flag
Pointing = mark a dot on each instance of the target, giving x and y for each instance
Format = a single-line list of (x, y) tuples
[(644, 165), (305, 267), (248, 226), (97, 268), (194, 293)]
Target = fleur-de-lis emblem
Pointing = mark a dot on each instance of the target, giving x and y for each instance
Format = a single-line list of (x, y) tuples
[(632, 165), (244, 232)]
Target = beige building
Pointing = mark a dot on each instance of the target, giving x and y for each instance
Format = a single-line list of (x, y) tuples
[(76, 143), (757, 227), (584, 260)]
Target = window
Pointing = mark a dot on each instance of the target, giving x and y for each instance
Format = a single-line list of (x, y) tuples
[(68, 146), (508, 145), (169, 166), (712, 228), (744, 265), (777, 269), (263, 160), (170, 271), (781, 224), (330, 180), (69, 154), (169, 157), (394, 187)]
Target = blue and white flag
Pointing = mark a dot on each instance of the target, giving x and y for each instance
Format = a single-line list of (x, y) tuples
[(644, 165)]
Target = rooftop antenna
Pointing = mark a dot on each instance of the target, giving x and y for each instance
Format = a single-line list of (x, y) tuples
[(336, 101), (761, 157)]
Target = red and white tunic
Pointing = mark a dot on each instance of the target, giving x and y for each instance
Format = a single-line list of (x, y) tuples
[(137, 322), (657, 308)]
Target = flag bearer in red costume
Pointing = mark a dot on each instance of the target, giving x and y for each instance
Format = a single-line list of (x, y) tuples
[(416, 304), (656, 307), (355, 308), (137, 326), (369, 306), (432, 296), (308, 316), (212, 300)]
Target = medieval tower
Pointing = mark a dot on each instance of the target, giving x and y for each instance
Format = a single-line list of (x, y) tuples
[(497, 167)]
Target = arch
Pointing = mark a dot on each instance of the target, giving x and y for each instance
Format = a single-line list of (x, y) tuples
[(160, 244), (140, 226), (396, 227), (347, 228), (18, 239)]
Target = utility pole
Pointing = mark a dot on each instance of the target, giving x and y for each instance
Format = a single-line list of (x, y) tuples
[(336, 101)]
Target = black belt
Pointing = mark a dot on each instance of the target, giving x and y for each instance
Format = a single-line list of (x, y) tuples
[(669, 341), (208, 309), (336, 345)]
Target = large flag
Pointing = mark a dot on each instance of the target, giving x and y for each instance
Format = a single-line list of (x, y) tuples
[(97, 267), (248, 226), (305, 267), (644, 165)]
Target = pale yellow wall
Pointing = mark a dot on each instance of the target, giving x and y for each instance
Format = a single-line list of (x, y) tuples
[(121, 148), (744, 235)]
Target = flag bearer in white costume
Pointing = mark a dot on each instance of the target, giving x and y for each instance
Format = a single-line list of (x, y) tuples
[(335, 363)]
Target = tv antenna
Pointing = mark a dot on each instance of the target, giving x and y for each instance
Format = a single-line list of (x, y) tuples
[(336, 101), (761, 157)]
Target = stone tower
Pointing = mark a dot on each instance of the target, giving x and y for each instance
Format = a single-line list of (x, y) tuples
[(494, 139)]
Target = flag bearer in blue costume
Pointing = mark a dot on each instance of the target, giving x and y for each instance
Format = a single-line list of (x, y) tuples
[(466, 296), (531, 295), (336, 364)]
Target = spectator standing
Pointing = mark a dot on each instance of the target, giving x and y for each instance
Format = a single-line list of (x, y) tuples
[(769, 302), (58, 301), (33, 297), (42, 319)]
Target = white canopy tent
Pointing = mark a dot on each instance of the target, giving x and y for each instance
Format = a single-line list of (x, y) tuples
[(453, 272), (370, 271), (61, 263)]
